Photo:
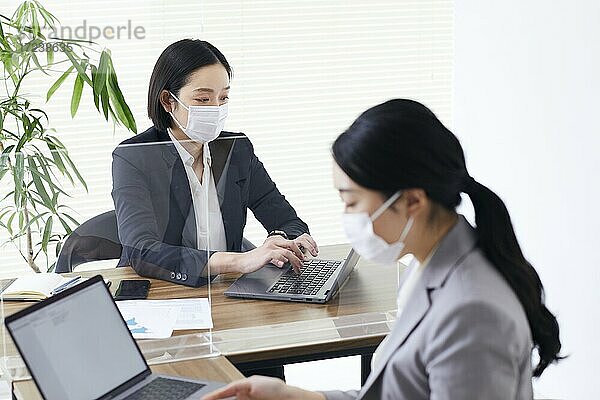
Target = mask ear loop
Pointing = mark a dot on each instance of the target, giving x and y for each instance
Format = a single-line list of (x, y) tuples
[(173, 116), (385, 205), (403, 236)]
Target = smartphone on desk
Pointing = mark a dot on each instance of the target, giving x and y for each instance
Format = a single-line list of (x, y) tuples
[(132, 289)]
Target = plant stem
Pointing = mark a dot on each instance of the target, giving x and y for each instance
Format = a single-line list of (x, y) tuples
[(30, 257)]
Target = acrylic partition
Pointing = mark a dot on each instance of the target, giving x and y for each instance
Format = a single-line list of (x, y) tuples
[(144, 219), (192, 218), (334, 299)]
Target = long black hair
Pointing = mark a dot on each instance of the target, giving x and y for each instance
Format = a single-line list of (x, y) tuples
[(401, 144)]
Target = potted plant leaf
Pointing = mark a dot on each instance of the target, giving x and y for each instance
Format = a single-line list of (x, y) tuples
[(33, 160)]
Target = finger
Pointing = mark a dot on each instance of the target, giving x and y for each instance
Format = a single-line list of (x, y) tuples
[(229, 391), (295, 261), (308, 246), (279, 258), (279, 263), (291, 245), (311, 241)]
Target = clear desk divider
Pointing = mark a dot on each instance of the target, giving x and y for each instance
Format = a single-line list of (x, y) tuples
[(164, 188), (339, 300), (171, 226)]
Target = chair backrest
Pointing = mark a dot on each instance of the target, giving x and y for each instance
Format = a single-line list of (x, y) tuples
[(98, 239), (95, 239)]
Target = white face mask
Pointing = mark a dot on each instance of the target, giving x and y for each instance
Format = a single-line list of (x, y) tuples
[(359, 230), (204, 123)]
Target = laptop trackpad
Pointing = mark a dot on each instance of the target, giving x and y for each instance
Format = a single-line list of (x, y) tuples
[(257, 281)]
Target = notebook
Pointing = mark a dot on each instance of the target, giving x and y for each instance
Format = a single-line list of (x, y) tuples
[(35, 287)]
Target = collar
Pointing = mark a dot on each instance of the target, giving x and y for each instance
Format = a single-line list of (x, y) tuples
[(185, 155), (453, 247)]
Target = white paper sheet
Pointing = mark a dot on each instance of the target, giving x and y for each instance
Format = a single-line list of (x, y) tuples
[(193, 313), (147, 322)]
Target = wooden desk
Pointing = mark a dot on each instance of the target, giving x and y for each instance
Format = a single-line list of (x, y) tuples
[(369, 289), (213, 369)]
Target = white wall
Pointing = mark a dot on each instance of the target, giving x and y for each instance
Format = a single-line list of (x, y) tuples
[(527, 79)]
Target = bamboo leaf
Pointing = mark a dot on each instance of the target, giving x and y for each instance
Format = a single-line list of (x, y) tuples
[(121, 104), (39, 186), (59, 246), (76, 97), (79, 66), (105, 105), (58, 82), (34, 220), (101, 72), (65, 224), (9, 223), (73, 220), (46, 236), (75, 170), (95, 94), (35, 25)]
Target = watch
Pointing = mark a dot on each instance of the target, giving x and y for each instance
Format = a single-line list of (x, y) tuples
[(279, 233)]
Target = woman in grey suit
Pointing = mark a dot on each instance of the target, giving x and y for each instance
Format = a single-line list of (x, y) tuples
[(471, 311)]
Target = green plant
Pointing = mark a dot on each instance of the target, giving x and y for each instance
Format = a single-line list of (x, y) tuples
[(32, 158)]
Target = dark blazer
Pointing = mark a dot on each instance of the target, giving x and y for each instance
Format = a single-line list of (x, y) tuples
[(154, 208)]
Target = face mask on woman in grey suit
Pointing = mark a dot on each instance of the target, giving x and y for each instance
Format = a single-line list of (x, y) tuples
[(359, 230)]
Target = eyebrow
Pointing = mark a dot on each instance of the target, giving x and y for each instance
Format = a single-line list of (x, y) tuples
[(203, 89), (344, 190)]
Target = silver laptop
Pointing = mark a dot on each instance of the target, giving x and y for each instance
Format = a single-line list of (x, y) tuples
[(319, 280), (77, 347)]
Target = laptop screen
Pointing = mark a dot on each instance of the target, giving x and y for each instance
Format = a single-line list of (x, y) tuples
[(78, 347)]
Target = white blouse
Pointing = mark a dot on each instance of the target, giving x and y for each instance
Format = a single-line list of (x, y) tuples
[(209, 221)]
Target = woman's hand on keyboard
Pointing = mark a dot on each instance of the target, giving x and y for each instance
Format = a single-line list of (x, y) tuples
[(275, 250)]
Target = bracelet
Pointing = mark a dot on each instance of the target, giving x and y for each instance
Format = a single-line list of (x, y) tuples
[(278, 233)]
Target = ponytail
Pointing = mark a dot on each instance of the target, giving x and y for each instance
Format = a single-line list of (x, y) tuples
[(498, 241)]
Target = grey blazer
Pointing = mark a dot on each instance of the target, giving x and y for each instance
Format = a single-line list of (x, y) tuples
[(463, 333)]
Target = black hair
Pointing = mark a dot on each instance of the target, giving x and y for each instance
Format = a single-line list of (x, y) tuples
[(172, 70), (401, 144)]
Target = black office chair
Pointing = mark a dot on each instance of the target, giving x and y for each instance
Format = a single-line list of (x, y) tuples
[(98, 239), (95, 239)]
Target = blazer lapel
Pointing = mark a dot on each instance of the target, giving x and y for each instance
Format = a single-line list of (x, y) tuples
[(457, 243), (414, 311), (180, 194)]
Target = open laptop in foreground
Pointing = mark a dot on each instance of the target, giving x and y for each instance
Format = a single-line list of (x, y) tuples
[(77, 346), (318, 281)]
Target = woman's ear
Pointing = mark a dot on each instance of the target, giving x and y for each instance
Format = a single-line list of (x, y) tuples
[(166, 100), (416, 201)]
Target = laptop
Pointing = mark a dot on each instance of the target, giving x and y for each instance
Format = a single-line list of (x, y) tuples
[(77, 346), (319, 280)]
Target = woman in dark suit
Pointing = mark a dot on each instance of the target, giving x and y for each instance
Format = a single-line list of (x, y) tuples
[(183, 187), (471, 311)]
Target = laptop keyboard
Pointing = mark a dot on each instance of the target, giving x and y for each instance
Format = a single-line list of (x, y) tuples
[(165, 389), (311, 279)]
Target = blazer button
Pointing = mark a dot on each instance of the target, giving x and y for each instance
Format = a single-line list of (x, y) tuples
[(179, 275), (184, 277), (172, 275)]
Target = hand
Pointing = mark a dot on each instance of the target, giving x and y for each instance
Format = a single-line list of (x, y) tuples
[(263, 388), (290, 245), (307, 242), (276, 250)]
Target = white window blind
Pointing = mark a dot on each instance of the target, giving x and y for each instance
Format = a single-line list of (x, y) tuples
[(303, 71)]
